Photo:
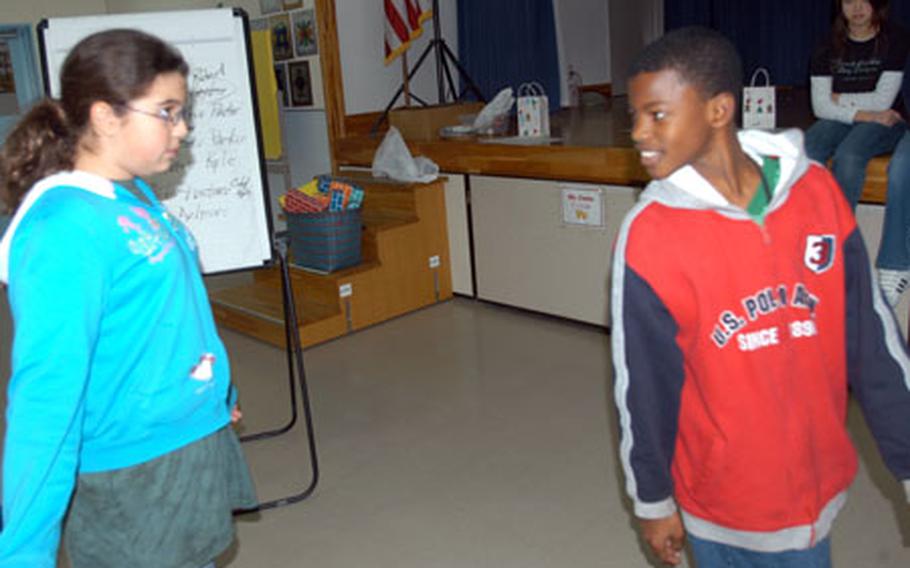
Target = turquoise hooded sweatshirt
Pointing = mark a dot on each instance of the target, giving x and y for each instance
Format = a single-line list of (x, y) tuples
[(116, 359)]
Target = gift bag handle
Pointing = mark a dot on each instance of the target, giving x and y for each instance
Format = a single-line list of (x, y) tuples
[(531, 89), (760, 71)]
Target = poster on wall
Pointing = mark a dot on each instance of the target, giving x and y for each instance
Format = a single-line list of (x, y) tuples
[(301, 84), (281, 37), (295, 52), (304, 23)]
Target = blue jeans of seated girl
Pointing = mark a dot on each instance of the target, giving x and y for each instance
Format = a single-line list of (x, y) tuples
[(709, 554), (851, 146), (894, 251)]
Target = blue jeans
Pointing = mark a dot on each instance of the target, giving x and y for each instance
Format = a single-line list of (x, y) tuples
[(851, 146), (894, 251), (709, 554)]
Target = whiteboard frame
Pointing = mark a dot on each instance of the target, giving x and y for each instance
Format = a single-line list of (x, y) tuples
[(42, 28)]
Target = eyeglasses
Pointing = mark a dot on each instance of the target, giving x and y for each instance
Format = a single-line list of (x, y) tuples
[(172, 117)]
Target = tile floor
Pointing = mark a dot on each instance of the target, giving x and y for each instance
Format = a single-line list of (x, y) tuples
[(473, 435), (470, 435)]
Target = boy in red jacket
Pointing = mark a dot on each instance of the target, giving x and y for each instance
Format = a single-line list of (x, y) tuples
[(743, 308)]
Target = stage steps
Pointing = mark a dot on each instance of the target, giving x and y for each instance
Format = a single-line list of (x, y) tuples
[(405, 266)]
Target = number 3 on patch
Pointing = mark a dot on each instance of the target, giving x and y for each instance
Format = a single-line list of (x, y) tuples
[(820, 251)]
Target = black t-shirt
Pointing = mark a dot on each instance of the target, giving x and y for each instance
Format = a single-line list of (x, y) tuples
[(859, 67)]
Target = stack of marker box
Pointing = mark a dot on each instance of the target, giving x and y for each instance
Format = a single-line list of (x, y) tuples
[(324, 224), (322, 194)]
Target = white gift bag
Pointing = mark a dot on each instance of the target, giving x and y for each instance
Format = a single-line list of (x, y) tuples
[(533, 110), (759, 105)]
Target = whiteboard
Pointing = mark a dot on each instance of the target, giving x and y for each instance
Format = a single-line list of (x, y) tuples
[(217, 185)]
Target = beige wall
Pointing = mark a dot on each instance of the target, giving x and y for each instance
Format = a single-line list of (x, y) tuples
[(123, 6), (33, 11)]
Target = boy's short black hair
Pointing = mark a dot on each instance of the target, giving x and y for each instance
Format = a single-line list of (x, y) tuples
[(703, 58)]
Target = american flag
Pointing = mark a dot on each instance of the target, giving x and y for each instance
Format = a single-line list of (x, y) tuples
[(403, 21)]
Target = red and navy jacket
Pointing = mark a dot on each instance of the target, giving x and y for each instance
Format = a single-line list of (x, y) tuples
[(734, 344)]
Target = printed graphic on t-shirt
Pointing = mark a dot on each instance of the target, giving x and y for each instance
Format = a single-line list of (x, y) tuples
[(856, 76), (745, 322), (149, 238)]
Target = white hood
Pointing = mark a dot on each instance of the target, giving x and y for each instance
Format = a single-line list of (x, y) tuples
[(76, 179), (687, 188)]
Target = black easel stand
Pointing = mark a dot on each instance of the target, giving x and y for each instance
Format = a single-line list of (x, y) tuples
[(444, 56), (294, 355)]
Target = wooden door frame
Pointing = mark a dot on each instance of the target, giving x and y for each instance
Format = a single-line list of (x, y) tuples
[(332, 79)]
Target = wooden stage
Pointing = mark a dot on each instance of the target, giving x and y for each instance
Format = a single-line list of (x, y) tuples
[(595, 146)]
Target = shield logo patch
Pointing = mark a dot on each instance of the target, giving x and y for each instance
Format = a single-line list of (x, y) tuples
[(819, 254)]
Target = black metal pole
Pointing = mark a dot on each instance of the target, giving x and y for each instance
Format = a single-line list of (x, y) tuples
[(463, 73), (385, 113), (295, 352), (437, 36), (281, 247)]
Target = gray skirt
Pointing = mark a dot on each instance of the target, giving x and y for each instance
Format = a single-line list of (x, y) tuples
[(174, 511)]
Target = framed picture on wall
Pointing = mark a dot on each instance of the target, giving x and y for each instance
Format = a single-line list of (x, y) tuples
[(300, 83), (304, 24), (7, 83), (292, 4), (269, 6), (9, 103), (281, 37), (17, 90), (281, 77)]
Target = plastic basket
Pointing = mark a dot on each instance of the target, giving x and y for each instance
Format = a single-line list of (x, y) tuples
[(325, 242)]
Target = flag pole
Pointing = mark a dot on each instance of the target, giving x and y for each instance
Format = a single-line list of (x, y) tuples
[(437, 35), (405, 82)]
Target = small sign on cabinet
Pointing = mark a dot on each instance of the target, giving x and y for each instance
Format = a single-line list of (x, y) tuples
[(582, 206)]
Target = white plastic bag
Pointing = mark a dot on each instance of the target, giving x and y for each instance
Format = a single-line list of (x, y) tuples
[(394, 160), (498, 107)]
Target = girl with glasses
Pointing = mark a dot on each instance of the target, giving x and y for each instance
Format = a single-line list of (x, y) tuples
[(120, 403)]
